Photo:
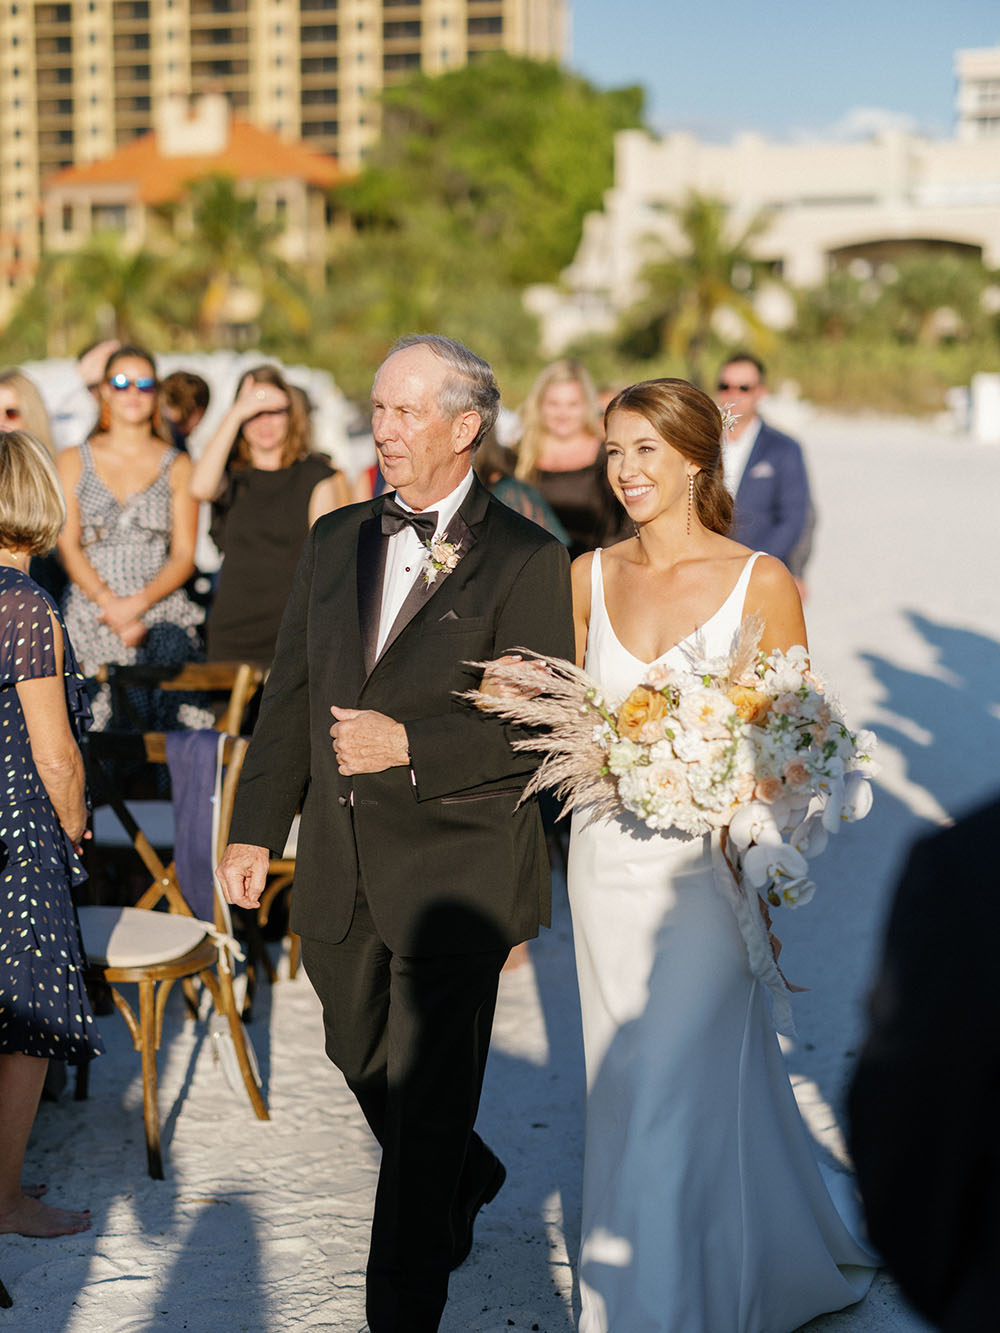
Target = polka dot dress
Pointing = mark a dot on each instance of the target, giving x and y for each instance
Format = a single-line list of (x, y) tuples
[(44, 1010), (128, 544)]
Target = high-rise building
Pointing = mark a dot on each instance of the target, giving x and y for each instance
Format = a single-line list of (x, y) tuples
[(79, 78), (978, 97)]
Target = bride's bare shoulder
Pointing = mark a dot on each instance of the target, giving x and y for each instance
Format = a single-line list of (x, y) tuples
[(581, 567), (771, 576)]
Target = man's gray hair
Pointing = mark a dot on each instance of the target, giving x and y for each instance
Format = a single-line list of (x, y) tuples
[(473, 386)]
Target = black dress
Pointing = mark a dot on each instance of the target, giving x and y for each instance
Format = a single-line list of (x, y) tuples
[(44, 1010), (585, 504), (259, 523)]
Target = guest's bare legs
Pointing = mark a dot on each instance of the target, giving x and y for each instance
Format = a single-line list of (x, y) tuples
[(21, 1079)]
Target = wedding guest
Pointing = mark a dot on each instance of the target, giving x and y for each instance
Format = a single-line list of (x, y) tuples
[(417, 867), (495, 467), (763, 470), (128, 543), (560, 453), (184, 399), (22, 408), (266, 489), (44, 1010), (922, 1101)]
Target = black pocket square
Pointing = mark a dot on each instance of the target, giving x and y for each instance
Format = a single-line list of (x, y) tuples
[(449, 615)]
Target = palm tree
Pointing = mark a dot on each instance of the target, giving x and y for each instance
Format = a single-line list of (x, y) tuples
[(99, 288), (687, 292), (229, 255)]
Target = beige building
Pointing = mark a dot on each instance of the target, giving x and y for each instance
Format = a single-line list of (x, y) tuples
[(978, 99), (829, 204), (126, 192), (79, 79)]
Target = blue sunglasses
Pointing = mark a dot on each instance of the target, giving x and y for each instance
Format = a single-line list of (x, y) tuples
[(145, 383)]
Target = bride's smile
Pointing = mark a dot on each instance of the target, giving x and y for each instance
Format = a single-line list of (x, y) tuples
[(647, 474)]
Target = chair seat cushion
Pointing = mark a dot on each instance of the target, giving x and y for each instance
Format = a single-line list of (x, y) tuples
[(135, 937)]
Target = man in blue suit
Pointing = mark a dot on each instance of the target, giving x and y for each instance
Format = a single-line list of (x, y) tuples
[(764, 470)]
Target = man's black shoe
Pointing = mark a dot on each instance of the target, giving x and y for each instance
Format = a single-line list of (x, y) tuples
[(466, 1209)]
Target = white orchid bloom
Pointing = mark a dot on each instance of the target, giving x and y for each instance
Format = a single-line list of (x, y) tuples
[(796, 893), (857, 797), (810, 838), (850, 799), (775, 863), (753, 823)]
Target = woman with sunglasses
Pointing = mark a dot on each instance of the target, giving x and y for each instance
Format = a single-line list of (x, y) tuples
[(21, 407), (267, 489), (128, 543)]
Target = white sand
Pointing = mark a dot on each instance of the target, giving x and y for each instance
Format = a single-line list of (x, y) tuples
[(264, 1226)]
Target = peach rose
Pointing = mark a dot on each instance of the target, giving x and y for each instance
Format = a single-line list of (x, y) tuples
[(752, 705), (642, 705), (796, 774), (768, 790)]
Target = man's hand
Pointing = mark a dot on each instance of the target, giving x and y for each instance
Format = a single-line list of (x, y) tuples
[(367, 742), (242, 872)]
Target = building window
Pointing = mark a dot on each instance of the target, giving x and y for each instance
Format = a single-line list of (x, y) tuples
[(320, 32), (318, 96), (401, 28), (395, 60), (108, 217), (318, 65), (67, 217), (485, 27)]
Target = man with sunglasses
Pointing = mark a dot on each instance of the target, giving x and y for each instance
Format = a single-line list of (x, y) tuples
[(764, 470)]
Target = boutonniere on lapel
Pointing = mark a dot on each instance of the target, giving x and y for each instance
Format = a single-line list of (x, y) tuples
[(441, 558)]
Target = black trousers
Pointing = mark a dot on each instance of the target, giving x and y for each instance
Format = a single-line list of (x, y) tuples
[(411, 1036)]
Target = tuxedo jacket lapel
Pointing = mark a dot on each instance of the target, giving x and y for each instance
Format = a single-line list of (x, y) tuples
[(372, 551), (459, 534)]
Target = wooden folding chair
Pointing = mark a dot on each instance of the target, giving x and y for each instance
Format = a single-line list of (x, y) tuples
[(238, 681), (153, 949)]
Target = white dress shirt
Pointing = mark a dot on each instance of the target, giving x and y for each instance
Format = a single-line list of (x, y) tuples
[(736, 455), (405, 560)]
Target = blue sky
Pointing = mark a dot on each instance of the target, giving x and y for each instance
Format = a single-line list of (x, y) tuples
[(783, 67)]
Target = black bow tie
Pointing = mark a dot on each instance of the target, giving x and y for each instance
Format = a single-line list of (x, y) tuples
[(395, 518)]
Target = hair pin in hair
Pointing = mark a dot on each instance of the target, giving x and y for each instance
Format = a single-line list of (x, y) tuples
[(729, 417)]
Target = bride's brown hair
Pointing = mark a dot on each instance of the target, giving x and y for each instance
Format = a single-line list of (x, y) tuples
[(689, 421)]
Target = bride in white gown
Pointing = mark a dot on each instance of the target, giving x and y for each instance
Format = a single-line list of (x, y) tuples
[(703, 1208)]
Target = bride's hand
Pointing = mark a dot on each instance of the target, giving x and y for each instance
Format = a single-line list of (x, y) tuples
[(501, 682)]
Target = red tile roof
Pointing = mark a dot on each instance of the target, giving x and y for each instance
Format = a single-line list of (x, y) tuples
[(251, 154)]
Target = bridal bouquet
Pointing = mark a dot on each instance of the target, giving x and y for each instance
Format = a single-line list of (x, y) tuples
[(750, 745)]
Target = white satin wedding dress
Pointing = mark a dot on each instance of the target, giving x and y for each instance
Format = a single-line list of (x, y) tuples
[(704, 1210)]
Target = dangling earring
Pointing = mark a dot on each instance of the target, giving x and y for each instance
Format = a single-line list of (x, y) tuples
[(690, 501)]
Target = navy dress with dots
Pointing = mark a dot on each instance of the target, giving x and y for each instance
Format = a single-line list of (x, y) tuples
[(44, 1010)]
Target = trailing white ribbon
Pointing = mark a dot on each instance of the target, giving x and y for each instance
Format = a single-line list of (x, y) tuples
[(756, 936)]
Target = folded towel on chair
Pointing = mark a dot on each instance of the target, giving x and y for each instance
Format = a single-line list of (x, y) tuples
[(192, 758)]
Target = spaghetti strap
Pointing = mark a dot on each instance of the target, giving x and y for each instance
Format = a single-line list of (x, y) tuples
[(739, 593)]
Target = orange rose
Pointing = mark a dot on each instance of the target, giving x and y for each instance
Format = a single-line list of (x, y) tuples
[(642, 705), (752, 705)]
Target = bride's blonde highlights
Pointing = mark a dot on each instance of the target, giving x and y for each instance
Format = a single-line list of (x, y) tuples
[(690, 422)]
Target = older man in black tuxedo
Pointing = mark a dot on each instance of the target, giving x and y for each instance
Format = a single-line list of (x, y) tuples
[(417, 869), (922, 1103)]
